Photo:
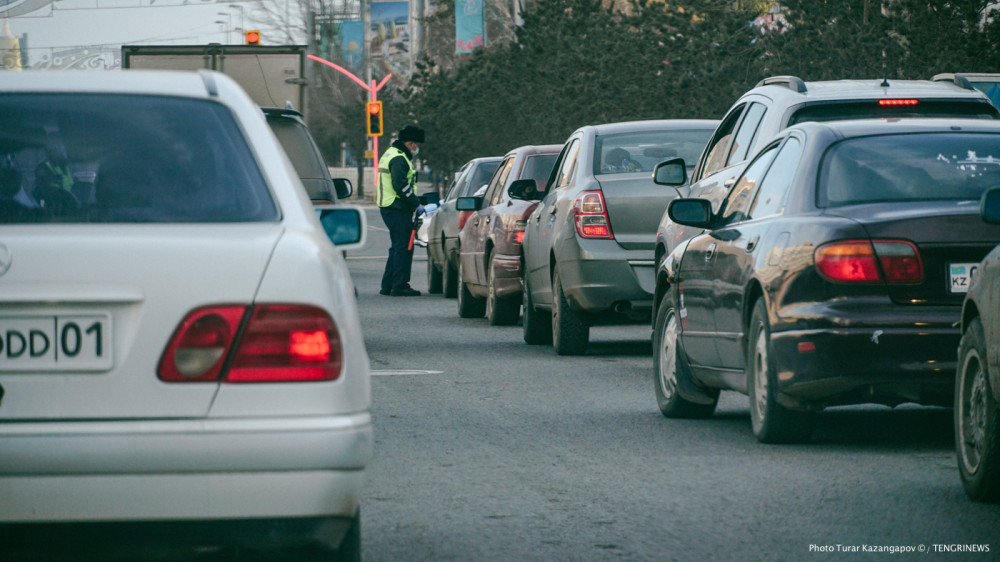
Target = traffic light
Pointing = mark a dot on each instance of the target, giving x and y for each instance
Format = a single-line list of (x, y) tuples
[(374, 118), (253, 37)]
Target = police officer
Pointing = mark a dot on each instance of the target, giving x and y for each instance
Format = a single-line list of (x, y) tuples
[(397, 201)]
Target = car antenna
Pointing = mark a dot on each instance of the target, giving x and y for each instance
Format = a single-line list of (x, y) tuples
[(885, 72)]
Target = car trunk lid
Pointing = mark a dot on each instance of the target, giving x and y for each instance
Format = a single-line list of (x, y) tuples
[(635, 207), (949, 236), (84, 327)]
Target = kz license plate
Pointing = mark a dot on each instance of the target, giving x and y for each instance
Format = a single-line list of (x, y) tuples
[(55, 343), (960, 276)]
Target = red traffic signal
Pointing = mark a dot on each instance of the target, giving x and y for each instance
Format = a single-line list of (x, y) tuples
[(253, 37), (374, 118)]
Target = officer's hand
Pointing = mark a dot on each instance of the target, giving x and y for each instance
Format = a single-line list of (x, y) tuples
[(420, 209)]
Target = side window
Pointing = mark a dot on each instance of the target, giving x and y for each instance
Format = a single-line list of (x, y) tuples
[(736, 206), (747, 132), (775, 184), (568, 166), (715, 152), (495, 193), (456, 186)]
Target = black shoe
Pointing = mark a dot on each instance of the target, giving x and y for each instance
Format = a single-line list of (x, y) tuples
[(386, 292), (406, 291)]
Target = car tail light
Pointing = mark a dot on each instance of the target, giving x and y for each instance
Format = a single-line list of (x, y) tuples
[(897, 102), (463, 217), (198, 348), (279, 343), (863, 261), (518, 231), (591, 216)]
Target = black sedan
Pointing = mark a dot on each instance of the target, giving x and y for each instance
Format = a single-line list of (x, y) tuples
[(833, 273)]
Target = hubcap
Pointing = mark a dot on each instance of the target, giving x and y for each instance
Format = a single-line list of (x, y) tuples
[(972, 412), (668, 357), (759, 367)]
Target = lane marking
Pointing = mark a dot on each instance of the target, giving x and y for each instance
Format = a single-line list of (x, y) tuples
[(403, 372)]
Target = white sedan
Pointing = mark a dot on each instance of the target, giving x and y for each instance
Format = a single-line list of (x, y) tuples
[(179, 338)]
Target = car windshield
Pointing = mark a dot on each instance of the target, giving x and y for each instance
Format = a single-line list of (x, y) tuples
[(910, 167), (841, 111), (125, 158), (538, 167), (640, 151), (481, 175)]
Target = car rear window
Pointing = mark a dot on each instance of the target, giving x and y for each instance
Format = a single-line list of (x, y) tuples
[(299, 146), (842, 111), (95, 158), (640, 151), (910, 167)]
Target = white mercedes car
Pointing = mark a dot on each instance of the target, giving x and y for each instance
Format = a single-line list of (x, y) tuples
[(179, 337)]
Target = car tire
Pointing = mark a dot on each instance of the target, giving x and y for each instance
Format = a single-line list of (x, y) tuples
[(570, 332), (536, 325), (449, 280), (771, 422), (499, 311), (434, 277), (670, 370), (469, 305), (977, 419)]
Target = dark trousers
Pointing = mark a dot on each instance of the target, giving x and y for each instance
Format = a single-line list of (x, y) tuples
[(397, 267)]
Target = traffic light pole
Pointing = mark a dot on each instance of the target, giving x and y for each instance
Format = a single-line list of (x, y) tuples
[(372, 96)]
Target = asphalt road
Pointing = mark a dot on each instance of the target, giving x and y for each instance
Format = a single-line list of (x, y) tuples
[(490, 449)]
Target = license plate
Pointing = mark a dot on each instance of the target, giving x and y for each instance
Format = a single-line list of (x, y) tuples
[(79, 342), (960, 276)]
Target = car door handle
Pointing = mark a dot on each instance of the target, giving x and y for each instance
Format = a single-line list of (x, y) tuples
[(752, 243), (552, 211), (488, 220), (710, 252)]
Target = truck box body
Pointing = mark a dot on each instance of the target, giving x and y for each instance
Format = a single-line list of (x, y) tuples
[(271, 75)]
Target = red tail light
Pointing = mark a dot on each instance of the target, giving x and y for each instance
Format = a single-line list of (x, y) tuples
[(897, 102), (463, 217), (863, 261), (279, 343), (517, 231), (591, 216)]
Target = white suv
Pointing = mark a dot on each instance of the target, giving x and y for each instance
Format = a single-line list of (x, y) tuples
[(181, 342)]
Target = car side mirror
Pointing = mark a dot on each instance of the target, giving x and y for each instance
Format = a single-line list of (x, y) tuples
[(691, 212), (525, 190), (671, 172), (989, 206), (345, 226), (468, 203), (343, 187)]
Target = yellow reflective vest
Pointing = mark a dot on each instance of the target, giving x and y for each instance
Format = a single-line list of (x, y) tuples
[(386, 194)]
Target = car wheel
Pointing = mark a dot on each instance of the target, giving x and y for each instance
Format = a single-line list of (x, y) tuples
[(536, 325), (670, 369), (570, 331), (449, 280), (499, 311), (469, 306), (772, 422), (977, 419), (434, 284)]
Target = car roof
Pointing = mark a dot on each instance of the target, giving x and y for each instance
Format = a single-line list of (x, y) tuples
[(794, 87), (200, 84), (865, 127), (651, 125), (536, 149)]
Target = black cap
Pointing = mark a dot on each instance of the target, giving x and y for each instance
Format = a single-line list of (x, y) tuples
[(411, 133)]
